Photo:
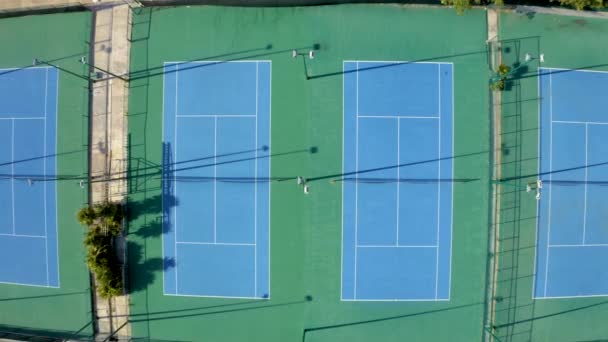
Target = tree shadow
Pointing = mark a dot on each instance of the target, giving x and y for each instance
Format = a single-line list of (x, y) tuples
[(146, 268)]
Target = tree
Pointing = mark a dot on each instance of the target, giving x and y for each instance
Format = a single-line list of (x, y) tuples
[(582, 4), (462, 5)]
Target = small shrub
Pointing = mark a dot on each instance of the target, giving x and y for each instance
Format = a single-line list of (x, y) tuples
[(503, 70), (110, 216), (582, 4), (498, 85), (86, 216), (106, 215), (460, 5), (104, 221)]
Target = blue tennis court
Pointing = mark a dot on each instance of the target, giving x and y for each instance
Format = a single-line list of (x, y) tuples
[(397, 186), (28, 207), (216, 192), (572, 240)]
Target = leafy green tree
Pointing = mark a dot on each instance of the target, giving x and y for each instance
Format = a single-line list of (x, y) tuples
[(582, 4), (104, 222), (462, 5)]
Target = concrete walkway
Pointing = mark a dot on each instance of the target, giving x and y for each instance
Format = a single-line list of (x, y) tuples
[(493, 15), (108, 154)]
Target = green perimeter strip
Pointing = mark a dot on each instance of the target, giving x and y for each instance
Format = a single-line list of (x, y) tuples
[(567, 42), (61, 39), (306, 230)]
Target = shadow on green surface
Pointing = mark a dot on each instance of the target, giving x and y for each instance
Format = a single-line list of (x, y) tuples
[(248, 306), (45, 296), (217, 59), (146, 268), (559, 313), (384, 319), (73, 58), (44, 335), (390, 65)]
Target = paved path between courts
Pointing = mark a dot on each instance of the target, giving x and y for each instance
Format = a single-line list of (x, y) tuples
[(495, 56), (108, 161)]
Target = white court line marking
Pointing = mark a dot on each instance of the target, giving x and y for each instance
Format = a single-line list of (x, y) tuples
[(587, 245), (356, 177), (575, 70), (23, 118), (30, 285), (438, 185), (215, 243), (550, 179), (255, 184), (395, 117), (214, 116), (583, 296), (579, 122), (452, 190), (398, 175), (46, 247), (586, 169), (343, 162), (268, 249), (539, 168), (175, 178), (396, 300), (215, 179), (397, 62), (206, 296), (13, 171), (393, 246), (55, 182), (26, 69), (218, 62), (25, 236), (162, 198)]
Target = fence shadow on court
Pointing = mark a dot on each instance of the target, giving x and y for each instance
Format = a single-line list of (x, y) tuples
[(73, 57), (17, 333), (25, 298), (241, 306), (395, 64), (55, 155), (238, 306), (307, 331), (345, 176), (141, 172), (248, 54)]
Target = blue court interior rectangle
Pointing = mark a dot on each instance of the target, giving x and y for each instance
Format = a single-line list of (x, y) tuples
[(216, 188), (28, 208), (397, 186), (572, 242)]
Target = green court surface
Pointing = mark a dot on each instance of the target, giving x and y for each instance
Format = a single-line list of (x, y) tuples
[(307, 115), (570, 43), (60, 39)]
